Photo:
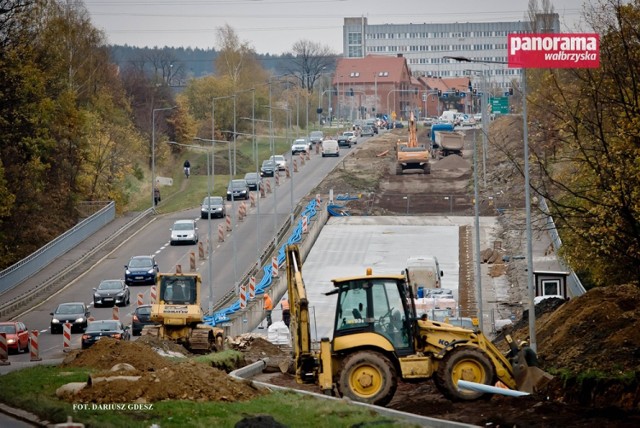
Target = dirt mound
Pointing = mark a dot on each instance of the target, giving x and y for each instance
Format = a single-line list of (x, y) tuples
[(451, 162), (105, 353), (187, 380), (255, 348), (159, 378)]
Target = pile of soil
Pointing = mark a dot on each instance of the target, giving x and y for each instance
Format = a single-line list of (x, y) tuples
[(159, 378)]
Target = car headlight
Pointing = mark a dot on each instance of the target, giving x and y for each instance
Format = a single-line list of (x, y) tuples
[(81, 319), (127, 272), (150, 271), (11, 341), (120, 294), (97, 296), (55, 321)]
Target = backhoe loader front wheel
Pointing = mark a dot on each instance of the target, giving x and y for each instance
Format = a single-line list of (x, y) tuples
[(464, 363), (368, 377)]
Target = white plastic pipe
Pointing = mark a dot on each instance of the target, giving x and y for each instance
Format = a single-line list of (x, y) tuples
[(480, 387)]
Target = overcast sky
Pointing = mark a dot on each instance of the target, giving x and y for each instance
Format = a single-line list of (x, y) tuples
[(273, 26)]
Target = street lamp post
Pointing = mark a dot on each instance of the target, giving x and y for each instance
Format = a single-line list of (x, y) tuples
[(153, 152), (529, 239)]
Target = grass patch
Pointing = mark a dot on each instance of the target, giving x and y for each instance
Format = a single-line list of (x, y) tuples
[(33, 389)]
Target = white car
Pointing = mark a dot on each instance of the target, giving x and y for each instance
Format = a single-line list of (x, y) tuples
[(300, 145), (184, 231), (351, 135), (280, 161)]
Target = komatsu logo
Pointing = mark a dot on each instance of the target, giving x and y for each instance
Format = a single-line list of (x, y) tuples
[(554, 50), (176, 310)]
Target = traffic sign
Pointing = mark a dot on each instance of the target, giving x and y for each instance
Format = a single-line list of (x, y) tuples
[(499, 105)]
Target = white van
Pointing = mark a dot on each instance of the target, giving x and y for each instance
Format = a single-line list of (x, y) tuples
[(423, 272), (450, 116), (330, 148)]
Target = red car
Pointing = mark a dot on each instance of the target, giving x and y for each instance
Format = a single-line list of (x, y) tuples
[(17, 336)]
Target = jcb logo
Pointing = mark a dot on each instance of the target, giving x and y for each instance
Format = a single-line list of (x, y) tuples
[(443, 342)]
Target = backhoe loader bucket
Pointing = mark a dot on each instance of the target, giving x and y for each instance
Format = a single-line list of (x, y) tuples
[(528, 378)]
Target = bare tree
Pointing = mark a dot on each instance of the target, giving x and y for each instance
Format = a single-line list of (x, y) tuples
[(310, 60)]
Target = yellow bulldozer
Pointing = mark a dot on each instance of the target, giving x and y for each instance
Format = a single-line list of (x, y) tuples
[(378, 340), (179, 316), (410, 154)]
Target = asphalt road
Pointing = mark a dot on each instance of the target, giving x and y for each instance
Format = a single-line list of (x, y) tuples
[(231, 259)]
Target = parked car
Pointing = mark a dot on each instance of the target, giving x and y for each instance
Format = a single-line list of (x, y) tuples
[(344, 141), (97, 330), (268, 168), (237, 189), (17, 336), (280, 160), (112, 292), (74, 313), (141, 270), (396, 124), (184, 231), (300, 145), (330, 148), (213, 205), (140, 317), (316, 137), (253, 180)]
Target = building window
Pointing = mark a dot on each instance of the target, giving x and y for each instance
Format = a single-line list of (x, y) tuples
[(354, 38), (551, 287)]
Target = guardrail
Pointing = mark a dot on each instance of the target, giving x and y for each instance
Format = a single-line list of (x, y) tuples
[(33, 263), (56, 282)]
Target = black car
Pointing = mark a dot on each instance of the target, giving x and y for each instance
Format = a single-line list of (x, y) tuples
[(344, 141), (97, 330), (112, 292), (253, 180), (141, 317), (74, 313), (141, 270), (268, 168), (237, 189)]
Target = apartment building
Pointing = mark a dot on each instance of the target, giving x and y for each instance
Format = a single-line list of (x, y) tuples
[(425, 45)]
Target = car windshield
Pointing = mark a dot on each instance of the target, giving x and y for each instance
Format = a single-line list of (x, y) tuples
[(144, 310), (69, 309), (183, 226), (8, 328), (316, 134), (213, 200), (238, 184), (251, 176), (267, 164), (140, 263), (102, 326), (110, 285)]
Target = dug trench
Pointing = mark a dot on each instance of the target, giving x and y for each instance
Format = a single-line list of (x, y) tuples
[(591, 343)]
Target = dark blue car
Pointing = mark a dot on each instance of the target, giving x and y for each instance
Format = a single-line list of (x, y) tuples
[(141, 270)]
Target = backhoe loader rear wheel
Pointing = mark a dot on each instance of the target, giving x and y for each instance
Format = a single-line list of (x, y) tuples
[(368, 377), (464, 363)]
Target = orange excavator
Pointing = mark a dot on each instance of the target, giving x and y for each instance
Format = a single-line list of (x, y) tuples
[(410, 154)]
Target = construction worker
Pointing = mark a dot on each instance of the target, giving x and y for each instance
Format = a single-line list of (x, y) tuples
[(286, 313), (268, 307)]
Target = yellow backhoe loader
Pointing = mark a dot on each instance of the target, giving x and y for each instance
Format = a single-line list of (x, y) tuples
[(378, 340), (178, 314)]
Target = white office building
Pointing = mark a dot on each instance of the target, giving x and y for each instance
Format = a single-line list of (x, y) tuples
[(425, 45)]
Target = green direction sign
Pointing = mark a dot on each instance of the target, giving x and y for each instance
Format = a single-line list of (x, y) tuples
[(499, 105)]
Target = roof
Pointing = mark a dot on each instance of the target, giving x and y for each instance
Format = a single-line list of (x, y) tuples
[(447, 84), (371, 69)]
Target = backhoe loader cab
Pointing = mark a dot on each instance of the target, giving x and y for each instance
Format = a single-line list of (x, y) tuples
[(377, 340)]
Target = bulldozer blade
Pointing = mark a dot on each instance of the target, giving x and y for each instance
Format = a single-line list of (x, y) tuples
[(532, 379)]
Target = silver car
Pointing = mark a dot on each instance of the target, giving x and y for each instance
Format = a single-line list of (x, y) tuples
[(214, 206), (184, 231)]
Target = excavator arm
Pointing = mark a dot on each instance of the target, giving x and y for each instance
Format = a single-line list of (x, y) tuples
[(413, 132), (305, 361)]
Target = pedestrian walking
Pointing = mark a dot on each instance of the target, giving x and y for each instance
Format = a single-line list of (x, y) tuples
[(156, 195), (268, 307)]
